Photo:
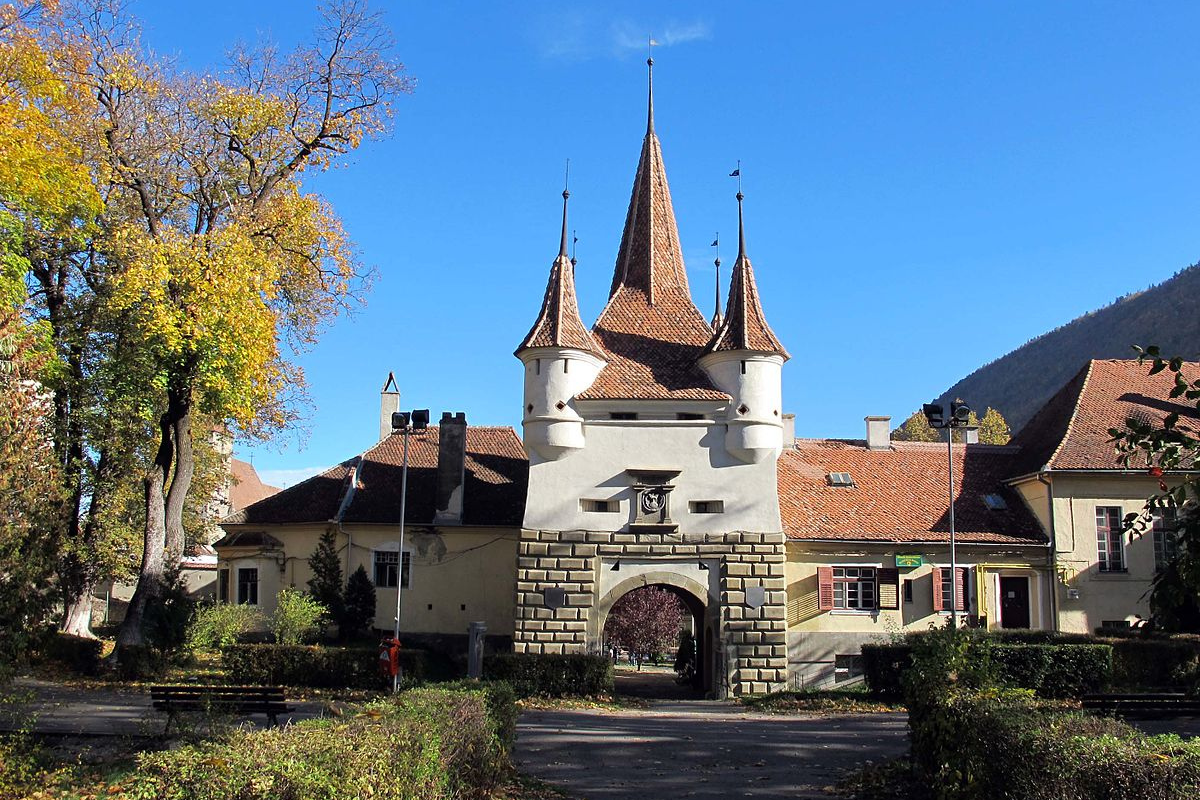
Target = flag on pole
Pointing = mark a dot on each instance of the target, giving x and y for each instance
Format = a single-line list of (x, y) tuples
[(653, 43), (736, 173), (714, 244)]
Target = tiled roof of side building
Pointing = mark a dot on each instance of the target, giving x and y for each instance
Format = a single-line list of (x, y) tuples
[(901, 495), (246, 487), (1071, 430), (497, 474)]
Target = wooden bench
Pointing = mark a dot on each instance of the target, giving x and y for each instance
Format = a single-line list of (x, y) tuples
[(1170, 704), (267, 700)]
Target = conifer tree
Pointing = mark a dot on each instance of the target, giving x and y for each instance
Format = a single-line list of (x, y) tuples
[(993, 428), (360, 605), (325, 586)]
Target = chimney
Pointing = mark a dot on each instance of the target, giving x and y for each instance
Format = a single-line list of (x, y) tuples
[(971, 435), (879, 433), (389, 401), (451, 469), (789, 431)]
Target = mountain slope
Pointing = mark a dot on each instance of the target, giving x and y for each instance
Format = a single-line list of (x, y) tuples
[(1019, 383)]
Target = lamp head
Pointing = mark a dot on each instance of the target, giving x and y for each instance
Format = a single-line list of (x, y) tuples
[(399, 420), (934, 414), (420, 419), (960, 413)]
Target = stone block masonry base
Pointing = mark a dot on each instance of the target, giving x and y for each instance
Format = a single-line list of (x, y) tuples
[(748, 653)]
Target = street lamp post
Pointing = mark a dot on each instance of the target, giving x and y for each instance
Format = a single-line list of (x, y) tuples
[(960, 415), (405, 422)]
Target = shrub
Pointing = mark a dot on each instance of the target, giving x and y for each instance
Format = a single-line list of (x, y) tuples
[(551, 675), (977, 745), (140, 662), (1051, 670), (218, 625), (359, 605), (1155, 663), (317, 667), (297, 617), (422, 745), (501, 705), (75, 653)]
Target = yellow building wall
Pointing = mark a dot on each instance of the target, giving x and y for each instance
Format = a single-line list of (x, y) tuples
[(459, 574), (1088, 597), (817, 638)]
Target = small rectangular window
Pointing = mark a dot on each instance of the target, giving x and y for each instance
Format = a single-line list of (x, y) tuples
[(248, 586), (943, 584), (995, 502), (908, 590), (385, 564), (599, 506), (1110, 540), (223, 586), (839, 479), (854, 588), (707, 506), (623, 415), (688, 415)]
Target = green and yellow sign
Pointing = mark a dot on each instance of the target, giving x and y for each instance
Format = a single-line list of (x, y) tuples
[(909, 561)]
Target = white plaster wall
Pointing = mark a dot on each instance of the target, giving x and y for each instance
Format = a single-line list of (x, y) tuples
[(554, 376), (694, 447), (754, 383)]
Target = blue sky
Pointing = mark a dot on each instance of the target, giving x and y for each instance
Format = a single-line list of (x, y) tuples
[(927, 185)]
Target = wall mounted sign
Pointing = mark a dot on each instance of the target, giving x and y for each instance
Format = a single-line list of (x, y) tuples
[(756, 596), (909, 560)]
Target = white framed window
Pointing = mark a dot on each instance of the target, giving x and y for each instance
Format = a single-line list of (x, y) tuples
[(1166, 538), (1110, 541), (854, 588), (386, 564)]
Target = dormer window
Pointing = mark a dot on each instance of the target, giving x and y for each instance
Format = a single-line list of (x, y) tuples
[(841, 479)]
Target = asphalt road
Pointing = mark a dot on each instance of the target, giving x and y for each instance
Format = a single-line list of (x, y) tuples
[(701, 749)]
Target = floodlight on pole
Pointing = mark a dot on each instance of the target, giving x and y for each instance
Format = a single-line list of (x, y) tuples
[(405, 422), (960, 416)]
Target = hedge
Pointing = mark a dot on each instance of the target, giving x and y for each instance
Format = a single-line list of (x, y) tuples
[(315, 666), (75, 653), (421, 745), (551, 675), (1155, 663), (1051, 670), (1001, 743)]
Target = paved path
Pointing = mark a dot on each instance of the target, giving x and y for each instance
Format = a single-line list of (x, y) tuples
[(700, 749)]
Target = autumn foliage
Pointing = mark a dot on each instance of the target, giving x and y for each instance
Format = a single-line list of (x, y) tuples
[(645, 622)]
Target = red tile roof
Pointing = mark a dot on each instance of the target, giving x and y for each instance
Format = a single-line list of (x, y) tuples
[(901, 495), (558, 324), (651, 333), (1071, 430), (745, 326), (497, 471), (246, 487)]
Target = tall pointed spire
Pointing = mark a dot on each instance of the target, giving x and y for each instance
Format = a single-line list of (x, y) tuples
[(650, 259), (745, 326), (558, 324)]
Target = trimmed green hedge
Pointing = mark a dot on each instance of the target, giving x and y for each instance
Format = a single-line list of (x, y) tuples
[(1051, 670), (424, 744), (551, 675), (315, 666), (79, 655), (1003, 744), (1156, 663)]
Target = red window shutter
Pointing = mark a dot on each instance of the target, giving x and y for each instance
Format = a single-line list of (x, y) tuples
[(960, 591), (825, 588), (889, 588), (937, 589)]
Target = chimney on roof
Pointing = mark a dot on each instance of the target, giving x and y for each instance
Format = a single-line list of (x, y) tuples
[(971, 434), (389, 402), (789, 431), (451, 469), (879, 433)]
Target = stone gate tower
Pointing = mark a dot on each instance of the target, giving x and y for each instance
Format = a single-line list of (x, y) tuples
[(653, 442)]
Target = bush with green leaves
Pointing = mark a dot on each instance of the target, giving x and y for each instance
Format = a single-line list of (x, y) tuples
[(358, 609), (75, 653), (549, 675), (317, 667), (424, 744), (297, 618), (218, 625)]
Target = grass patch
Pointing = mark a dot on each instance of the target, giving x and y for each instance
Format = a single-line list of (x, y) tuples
[(819, 701), (600, 702)]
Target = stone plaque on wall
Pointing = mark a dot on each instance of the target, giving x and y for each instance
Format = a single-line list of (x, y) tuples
[(652, 499)]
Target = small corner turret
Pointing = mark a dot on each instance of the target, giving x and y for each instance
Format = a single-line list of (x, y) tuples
[(745, 359), (561, 360)]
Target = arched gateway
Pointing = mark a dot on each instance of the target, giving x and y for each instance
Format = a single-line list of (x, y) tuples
[(652, 441)]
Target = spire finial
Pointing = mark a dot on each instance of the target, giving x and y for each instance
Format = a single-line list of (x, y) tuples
[(650, 98), (574, 245), (562, 247), (741, 227), (716, 317)]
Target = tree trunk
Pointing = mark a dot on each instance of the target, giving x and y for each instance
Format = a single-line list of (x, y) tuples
[(77, 616), (151, 577), (179, 410)]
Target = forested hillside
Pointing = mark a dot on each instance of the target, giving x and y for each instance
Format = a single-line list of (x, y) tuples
[(1019, 383)]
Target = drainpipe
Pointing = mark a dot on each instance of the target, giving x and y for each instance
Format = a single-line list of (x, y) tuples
[(1044, 480), (348, 498)]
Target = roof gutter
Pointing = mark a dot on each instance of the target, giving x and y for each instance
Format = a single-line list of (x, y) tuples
[(1043, 478)]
